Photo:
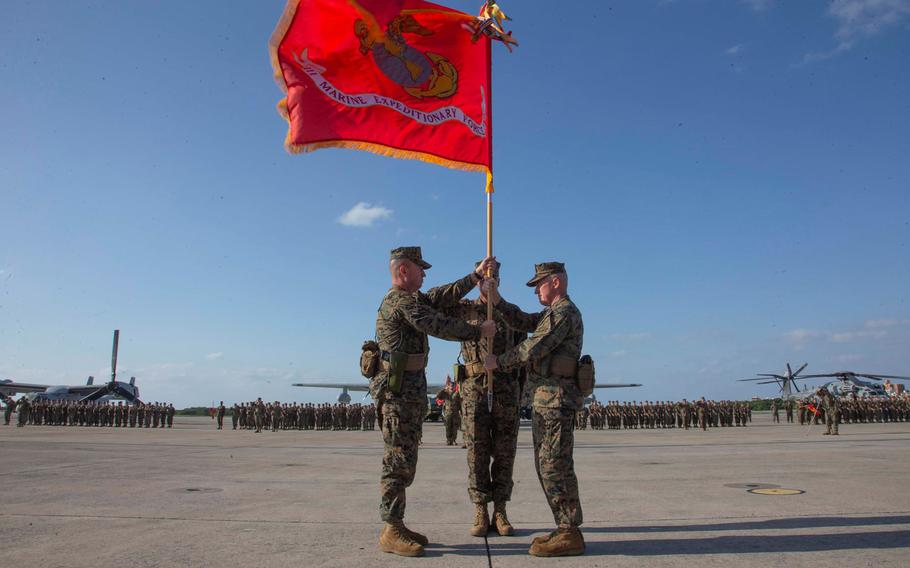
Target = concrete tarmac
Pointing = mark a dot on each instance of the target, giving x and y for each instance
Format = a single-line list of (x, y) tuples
[(195, 496)]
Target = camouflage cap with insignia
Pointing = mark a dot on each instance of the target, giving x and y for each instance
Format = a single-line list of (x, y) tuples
[(411, 253), (545, 269)]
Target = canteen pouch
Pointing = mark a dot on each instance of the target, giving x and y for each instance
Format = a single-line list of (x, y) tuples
[(369, 359), (584, 375), (397, 363), (459, 372)]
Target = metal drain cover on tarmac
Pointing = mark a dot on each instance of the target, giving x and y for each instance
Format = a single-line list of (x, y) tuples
[(777, 491)]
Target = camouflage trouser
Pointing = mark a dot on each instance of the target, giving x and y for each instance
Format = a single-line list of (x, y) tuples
[(831, 421), (401, 425), (491, 439), (453, 424), (554, 440)]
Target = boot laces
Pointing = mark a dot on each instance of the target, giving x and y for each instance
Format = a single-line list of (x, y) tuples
[(403, 534)]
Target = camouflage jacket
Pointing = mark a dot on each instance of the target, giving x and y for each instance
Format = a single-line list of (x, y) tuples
[(558, 330), (403, 322), (475, 313), (452, 407)]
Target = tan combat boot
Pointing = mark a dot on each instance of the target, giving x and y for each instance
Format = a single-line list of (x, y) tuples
[(565, 542), (503, 526), (394, 539), (481, 520), (543, 538), (415, 536)]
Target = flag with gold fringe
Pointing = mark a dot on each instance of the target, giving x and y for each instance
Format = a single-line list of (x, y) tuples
[(402, 78)]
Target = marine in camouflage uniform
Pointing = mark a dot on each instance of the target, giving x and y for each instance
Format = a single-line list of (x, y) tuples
[(830, 405), (491, 438), (551, 355), (404, 320), (451, 410)]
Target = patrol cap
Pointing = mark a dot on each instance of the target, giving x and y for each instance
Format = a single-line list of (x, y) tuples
[(410, 253), (545, 269)]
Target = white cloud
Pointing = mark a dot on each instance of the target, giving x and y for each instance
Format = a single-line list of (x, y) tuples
[(214, 356), (798, 338), (867, 18), (884, 323), (364, 215), (759, 5), (849, 358), (851, 336), (859, 19), (800, 335), (735, 50), (822, 55)]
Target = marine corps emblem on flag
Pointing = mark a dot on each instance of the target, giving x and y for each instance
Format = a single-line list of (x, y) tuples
[(421, 74), (403, 78)]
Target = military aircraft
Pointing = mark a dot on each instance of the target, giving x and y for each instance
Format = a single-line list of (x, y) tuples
[(846, 383), (787, 383), (79, 393)]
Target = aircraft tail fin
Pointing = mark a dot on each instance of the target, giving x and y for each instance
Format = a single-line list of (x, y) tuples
[(90, 381), (132, 381)]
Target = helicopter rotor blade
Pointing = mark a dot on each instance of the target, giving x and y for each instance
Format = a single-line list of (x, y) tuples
[(898, 377), (800, 370)]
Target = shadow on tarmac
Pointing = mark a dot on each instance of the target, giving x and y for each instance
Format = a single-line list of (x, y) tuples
[(737, 544), (753, 544), (772, 524)]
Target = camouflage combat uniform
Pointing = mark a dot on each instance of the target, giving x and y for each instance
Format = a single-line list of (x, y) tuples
[(558, 332), (491, 439), (403, 322), (452, 412)]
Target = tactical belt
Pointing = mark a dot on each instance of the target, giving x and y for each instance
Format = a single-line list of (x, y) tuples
[(416, 361), (563, 366)]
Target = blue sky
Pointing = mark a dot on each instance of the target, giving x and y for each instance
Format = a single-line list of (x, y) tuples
[(727, 182)]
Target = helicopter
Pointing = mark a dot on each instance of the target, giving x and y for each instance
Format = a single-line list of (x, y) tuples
[(787, 382), (846, 383)]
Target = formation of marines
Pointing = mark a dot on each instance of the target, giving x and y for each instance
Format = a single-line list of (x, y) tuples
[(275, 416), (854, 410), (681, 414), (77, 413)]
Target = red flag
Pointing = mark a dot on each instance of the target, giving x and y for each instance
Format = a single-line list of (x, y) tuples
[(402, 78), (812, 408)]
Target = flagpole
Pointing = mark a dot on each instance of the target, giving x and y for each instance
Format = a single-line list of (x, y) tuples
[(489, 192)]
